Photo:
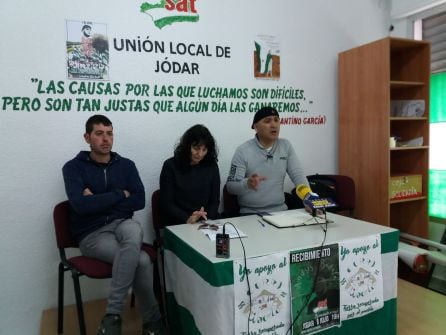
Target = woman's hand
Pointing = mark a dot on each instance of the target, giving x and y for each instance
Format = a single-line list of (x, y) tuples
[(197, 215)]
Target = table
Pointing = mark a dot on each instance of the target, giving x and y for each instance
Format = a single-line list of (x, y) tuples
[(199, 286)]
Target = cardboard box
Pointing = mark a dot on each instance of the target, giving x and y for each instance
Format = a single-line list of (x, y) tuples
[(405, 187)]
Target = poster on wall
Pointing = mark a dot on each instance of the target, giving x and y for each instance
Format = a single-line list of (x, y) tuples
[(87, 50), (266, 57), (266, 302), (314, 277)]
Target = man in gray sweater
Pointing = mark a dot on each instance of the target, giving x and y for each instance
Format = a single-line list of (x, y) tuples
[(259, 166)]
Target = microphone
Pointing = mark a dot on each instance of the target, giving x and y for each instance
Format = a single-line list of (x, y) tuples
[(311, 199)]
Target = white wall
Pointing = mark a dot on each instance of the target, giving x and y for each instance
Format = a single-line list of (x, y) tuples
[(402, 8), (36, 144)]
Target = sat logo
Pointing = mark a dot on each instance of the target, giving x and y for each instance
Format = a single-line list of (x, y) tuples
[(165, 12)]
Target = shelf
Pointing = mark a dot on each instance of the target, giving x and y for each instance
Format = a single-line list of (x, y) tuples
[(407, 118), (423, 147), (405, 84), (392, 202), (404, 44), (371, 77)]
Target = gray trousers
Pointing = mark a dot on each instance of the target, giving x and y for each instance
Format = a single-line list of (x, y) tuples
[(120, 243)]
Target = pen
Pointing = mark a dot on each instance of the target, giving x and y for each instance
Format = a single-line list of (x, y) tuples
[(260, 221)]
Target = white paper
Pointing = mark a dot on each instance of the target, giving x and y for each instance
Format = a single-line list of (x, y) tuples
[(230, 230)]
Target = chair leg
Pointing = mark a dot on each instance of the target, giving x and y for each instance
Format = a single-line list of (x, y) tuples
[(432, 268), (132, 300), (429, 276), (60, 292), (80, 309), (162, 284)]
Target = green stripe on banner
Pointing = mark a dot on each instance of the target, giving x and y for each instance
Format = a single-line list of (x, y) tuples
[(389, 242), (221, 274), (180, 319), (182, 322), (382, 322), (216, 274)]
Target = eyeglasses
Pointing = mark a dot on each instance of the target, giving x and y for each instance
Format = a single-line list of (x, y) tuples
[(210, 226)]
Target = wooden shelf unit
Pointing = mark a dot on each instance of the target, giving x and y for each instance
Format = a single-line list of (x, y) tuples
[(370, 76)]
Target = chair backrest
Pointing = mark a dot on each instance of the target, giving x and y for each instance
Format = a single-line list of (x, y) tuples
[(338, 187), (292, 201), (61, 217), (157, 219), (230, 204)]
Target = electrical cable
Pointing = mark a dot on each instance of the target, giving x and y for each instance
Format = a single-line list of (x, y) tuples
[(246, 270), (326, 221), (315, 277)]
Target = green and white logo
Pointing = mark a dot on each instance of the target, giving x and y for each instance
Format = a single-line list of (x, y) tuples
[(165, 12)]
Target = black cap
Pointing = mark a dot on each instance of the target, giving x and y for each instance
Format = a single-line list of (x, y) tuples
[(263, 113)]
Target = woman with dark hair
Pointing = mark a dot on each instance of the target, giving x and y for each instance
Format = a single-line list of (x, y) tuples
[(190, 180)]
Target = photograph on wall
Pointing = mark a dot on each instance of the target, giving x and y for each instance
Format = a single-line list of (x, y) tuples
[(314, 275), (266, 57), (87, 50)]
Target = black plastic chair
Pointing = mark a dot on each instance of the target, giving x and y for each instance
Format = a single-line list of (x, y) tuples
[(340, 188), (159, 223), (230, 204)]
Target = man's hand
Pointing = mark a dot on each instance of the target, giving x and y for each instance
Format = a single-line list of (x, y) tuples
[(197, 215), (254, 181), (308, 208), (87, 192), (318, 212)]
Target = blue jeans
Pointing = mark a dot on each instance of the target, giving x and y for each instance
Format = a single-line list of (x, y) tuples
[(120, 243)]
